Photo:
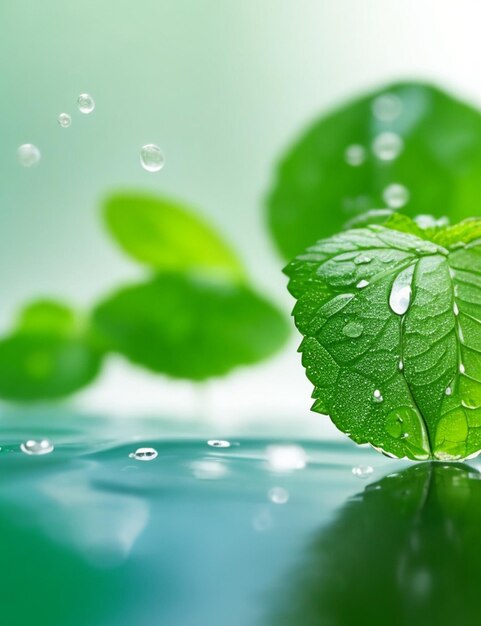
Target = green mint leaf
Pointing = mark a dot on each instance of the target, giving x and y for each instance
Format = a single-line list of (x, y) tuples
[(465, 232), (167, 235), (189, 327), (49, 354), (392, 339), (408, 146)]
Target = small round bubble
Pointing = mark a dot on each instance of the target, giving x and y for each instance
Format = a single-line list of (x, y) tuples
[(362, 471), (85, 103), (151, 158), (144, 454), (37, 447), (28, 155), (395, 196), (64, 120)]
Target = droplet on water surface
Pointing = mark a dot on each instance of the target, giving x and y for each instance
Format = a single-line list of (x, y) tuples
[(353, 329), (387, 107), (64, 120), (85, 103), (208, 469), (278, 495), (362, 471), (355, 155), (387, 146), (285, 458), (377, 396), (144, 454), (395, 195), (151, 158), (218, 443), (28, 155), (32, 446)]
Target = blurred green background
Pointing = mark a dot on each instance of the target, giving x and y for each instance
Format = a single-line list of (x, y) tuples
[(223, 87)]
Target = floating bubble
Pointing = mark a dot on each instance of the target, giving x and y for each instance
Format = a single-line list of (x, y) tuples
[(387, 107), (395, 195), (377, 396), (34, 447), (151, 158), (387, 146), (219, 443), (278, 495), (362, 471), (85, 103), (144, 454), (355, 155), (285, 458), (64, 119), (28, 155)]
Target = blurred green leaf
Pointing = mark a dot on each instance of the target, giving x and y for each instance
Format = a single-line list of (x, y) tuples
[(168, 236), (49, 354), (438, 142), (187, 327)]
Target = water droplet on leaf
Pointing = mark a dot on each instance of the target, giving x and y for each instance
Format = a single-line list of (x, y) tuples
[(400, 296), (362, 259), (387, 107), (355, 155), (387, 146), (362, 283), (377, 396), (353, 329)]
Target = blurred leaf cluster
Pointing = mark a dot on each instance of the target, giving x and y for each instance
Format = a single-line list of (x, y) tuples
[(193, 316)]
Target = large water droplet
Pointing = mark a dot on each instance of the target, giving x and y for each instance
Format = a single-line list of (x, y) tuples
[(144, 454), (32, 446), (395, 196), (387, 146), (362, 471), (85, 103), (353, 329), (28, 155), (355, 155), (400, 296), (387, 107), (219, 443), (151, 158), (377, 396), (64, 120), (285, 458), (362, 283), (278, 495)]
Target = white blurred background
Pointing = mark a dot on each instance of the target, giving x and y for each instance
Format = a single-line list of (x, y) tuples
[(222, 86)]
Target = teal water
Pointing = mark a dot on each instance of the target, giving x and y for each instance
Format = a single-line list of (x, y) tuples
[(204, 536)]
